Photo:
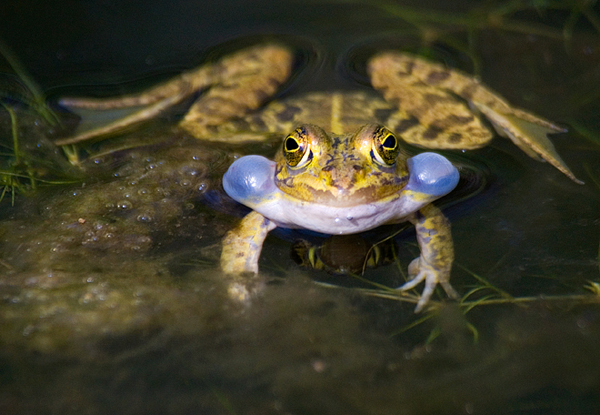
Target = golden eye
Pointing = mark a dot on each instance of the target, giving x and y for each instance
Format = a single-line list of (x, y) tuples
[(296, 149), (385, 147)]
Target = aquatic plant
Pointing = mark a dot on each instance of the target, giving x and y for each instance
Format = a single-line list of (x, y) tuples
[(27, 157)]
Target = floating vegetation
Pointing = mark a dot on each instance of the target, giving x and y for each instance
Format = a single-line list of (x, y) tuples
[(481, 294), (27, 157)]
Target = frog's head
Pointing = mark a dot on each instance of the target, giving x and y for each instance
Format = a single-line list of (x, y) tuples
[(346, 171), (341, 170)]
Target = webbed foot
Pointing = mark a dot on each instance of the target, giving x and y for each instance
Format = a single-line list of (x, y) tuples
[(420, 270), (430, 116)]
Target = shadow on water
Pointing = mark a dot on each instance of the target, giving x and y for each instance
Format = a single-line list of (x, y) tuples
[(111, 297)]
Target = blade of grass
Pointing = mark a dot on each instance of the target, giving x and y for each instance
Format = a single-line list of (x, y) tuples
[(413, 324), (14, 131), (38, 95)]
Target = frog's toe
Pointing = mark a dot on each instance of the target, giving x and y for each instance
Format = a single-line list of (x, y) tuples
[(244, 291), (420, 271), (413, 271), (238, 292), (430, 283)]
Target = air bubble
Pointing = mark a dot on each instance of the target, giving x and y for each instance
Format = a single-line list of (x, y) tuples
[(145, 218), (124, 204)]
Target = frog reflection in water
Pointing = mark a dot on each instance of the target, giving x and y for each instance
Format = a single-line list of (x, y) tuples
[(341, 168), (344, 254)]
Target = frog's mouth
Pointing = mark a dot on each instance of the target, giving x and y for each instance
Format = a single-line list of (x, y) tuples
[(250, 180), (343, 196), (342, 187)]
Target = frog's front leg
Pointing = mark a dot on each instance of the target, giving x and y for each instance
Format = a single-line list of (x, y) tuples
[(437, 254), (241, 251)]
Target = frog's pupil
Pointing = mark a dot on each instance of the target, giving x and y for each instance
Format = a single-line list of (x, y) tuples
[(291, 144), (389, 142)]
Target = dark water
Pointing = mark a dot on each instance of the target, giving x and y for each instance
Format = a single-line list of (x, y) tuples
[(111, 298)]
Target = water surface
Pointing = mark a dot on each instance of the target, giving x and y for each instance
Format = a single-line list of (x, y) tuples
[(112, 301)]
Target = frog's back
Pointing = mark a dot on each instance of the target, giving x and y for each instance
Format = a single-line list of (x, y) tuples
[(338, 112)]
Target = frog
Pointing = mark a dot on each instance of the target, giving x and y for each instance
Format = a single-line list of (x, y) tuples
[(342, 167)]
